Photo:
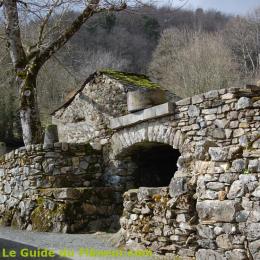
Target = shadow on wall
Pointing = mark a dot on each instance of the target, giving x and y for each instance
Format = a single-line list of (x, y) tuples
[(18, 251)]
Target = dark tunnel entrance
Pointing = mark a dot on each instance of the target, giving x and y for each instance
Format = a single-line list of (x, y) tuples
[(154, 164)]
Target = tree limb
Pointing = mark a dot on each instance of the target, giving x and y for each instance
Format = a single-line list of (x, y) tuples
[(42, 28), (89, 11), (23, 3)]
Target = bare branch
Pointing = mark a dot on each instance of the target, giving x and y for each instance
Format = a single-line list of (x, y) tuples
[(45, 21), (89, 11), (66, 69), (23, 3)]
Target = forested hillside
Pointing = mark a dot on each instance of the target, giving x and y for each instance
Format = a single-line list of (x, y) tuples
[(186, 51)]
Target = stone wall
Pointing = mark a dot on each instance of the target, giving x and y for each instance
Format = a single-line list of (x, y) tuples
[(210, 208), (86, 118), (160, 220), (55, 188), (228, 201), (218, 136)]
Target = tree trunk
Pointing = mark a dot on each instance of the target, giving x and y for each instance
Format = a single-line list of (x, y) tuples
[(29, 111), (25, 76), (27, 65)]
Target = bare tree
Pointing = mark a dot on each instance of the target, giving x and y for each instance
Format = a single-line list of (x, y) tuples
[(29, 57), (189, 62), (239, 36), (242, 35)]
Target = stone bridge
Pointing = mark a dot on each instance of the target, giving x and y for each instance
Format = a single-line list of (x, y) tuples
[(188, 172)]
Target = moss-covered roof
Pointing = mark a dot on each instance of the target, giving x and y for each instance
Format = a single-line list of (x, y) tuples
[(138, 80)]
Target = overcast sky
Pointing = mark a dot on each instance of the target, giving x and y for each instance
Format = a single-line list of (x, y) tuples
[(228, 6)]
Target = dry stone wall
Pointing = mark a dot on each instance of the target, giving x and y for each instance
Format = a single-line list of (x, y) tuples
[(55, 188), (210, 210), (218, 136), (161, 220), (228, 201)]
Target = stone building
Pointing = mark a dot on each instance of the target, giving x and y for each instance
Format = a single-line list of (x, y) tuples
[(182, 176), (85, 116)]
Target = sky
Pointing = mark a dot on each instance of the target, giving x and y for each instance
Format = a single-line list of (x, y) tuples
[(241, 7)]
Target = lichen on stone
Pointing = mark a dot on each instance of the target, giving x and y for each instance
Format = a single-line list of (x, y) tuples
[(138, 80), (43, 218)]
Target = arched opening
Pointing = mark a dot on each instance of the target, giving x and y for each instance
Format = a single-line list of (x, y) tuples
[(152, 164), (143, 164)]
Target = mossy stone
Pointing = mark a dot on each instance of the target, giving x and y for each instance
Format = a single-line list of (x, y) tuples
[(43, 218), (138, 80)]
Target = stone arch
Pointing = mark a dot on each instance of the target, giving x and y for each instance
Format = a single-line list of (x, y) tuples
[(119, 172), (145, 132)]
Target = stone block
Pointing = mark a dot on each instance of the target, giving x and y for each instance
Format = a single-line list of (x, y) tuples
[(217, 133), (3, 199), (184, 102), (224, 241), (256, 193), (208, 254), (7, 188), (211, 94), (140, 116), (51, 135), (254, 247), (238, 132), (205, 231), (239, 165), (217, 211), (221, 123), (227, 96), (2, 172), (209, 111), (243, 102), (197, 99), (247, 178), (236, 254), (193, 111), (66, 193), (218, 153), (216, 186), (252, 231), (145, 193), (178, 186)]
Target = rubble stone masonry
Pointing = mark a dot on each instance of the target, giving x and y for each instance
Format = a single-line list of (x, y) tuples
[(209, 210)]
